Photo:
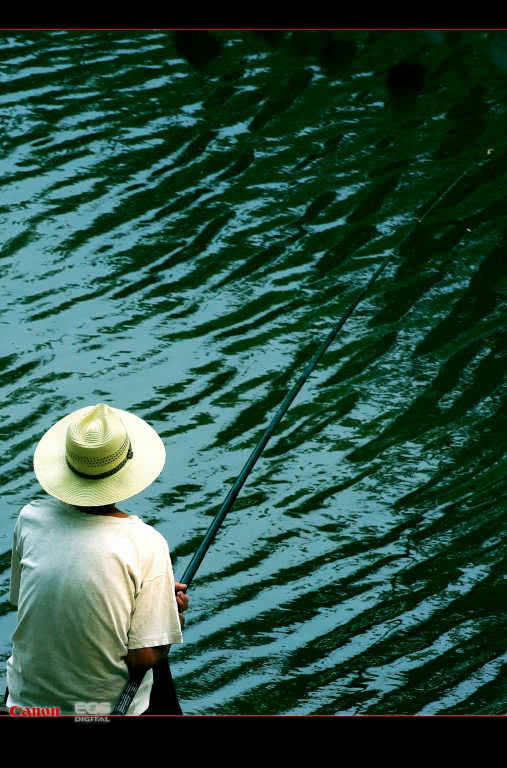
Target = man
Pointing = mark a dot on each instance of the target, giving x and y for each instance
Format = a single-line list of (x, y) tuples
[(94, 587)]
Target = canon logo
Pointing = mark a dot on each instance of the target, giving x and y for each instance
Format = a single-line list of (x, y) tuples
[(17, 711)]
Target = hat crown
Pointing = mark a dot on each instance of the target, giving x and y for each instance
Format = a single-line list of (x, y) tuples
[(97, 444)]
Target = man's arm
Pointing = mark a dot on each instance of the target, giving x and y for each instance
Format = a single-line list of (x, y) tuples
[(140, 660)]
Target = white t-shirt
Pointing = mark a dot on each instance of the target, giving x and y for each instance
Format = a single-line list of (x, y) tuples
[(88, 588)]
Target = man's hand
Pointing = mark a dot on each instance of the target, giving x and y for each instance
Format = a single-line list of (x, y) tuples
[(182, 600)]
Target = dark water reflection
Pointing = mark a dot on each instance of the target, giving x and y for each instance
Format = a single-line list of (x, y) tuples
[(183, 220)]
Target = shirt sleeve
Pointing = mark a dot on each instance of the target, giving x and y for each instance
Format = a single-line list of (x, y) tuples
[(15, 569), (155, 618)]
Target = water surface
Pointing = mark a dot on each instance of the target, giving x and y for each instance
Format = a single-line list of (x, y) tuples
[(184, 216)]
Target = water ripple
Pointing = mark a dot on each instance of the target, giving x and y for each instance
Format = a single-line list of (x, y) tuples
[(185, 215)]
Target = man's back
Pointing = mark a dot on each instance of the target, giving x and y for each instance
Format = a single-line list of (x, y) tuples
[(88, 588)]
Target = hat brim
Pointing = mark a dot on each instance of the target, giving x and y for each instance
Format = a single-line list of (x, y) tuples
[(57, 479)]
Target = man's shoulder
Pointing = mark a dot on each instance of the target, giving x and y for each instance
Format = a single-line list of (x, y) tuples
[(41, 506), (148, 531)]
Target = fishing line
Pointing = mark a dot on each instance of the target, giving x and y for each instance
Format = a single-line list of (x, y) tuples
[(132, 686)]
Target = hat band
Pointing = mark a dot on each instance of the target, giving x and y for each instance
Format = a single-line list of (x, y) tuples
[(103, 474)]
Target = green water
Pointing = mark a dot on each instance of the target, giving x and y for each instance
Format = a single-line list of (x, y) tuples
[(184, 217)]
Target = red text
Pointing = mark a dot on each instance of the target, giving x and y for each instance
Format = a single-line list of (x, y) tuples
[(17, 711)]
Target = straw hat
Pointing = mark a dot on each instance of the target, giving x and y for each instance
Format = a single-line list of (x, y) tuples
[(98, 455)]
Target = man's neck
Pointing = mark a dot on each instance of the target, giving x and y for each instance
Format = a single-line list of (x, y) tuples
[(108, 509)]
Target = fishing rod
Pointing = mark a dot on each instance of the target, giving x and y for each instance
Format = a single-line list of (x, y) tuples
[(292, 394), (131, 687)]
